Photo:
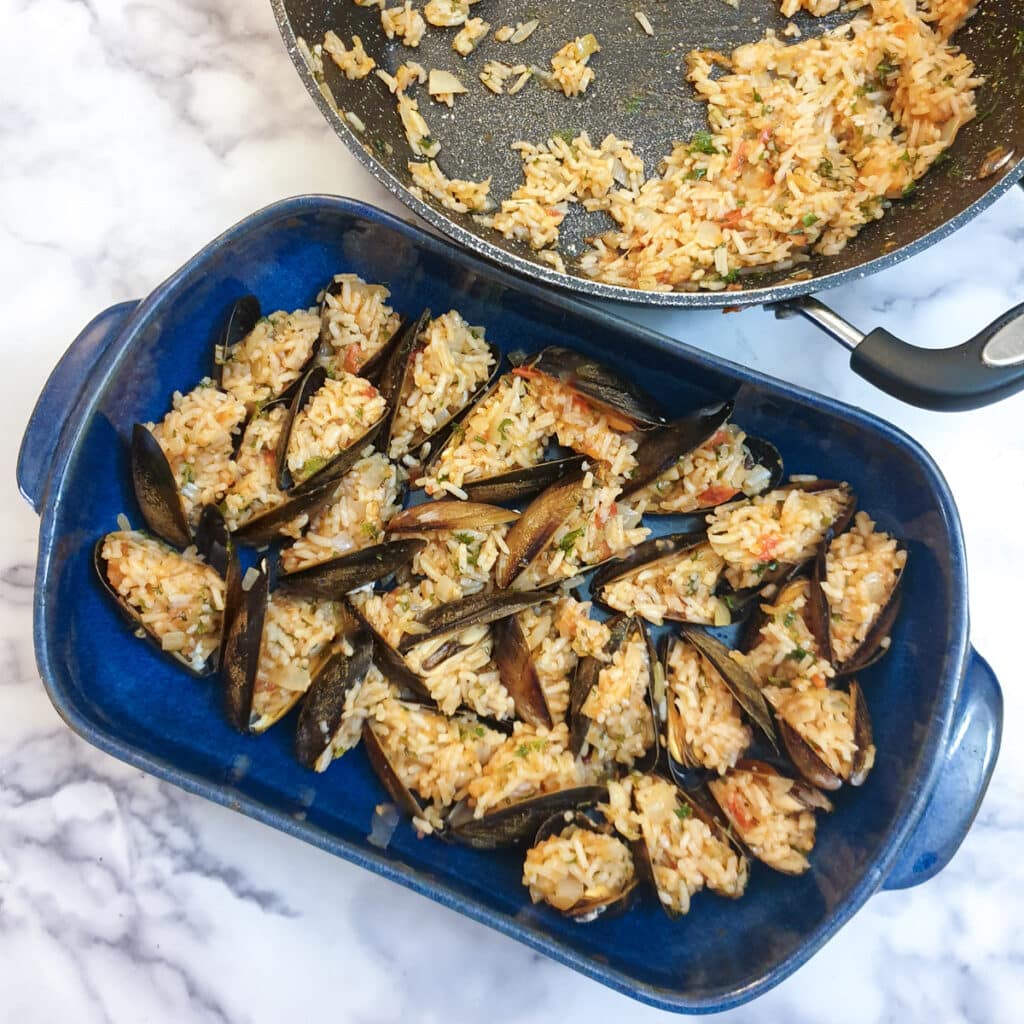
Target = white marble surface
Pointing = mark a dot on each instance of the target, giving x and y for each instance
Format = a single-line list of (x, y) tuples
[(132, 133)]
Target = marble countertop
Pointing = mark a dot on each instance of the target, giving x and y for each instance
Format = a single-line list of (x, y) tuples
[(133, 133)]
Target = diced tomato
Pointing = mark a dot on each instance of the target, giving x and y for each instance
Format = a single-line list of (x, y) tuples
[(615, 508), (527, 373), (269, 456), (720, 437), (819, 681), (737, 811), (768, 545), (732, 218), (369, 391), (353, 358), (716, 495), (739, 157)]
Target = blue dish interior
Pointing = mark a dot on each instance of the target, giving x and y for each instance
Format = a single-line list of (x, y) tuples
[(723, 951)]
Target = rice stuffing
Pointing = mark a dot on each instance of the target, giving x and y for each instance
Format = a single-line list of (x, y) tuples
[(357, 323), (360, 702)]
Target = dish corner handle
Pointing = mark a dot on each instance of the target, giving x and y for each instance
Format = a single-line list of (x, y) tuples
[(59, 394), (965, 774)]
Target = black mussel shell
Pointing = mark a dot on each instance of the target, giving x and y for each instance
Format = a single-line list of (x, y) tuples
[(242, 317), (746, 692), (599, 384), (433, 516), (512, 655), (604, 906), (396, 381), (338, 576), (519, 822), (863, 736), (473, 610), (322, 708), (662, 448), (336, 466), (262, 529), (585, 678), (372, 368), (156, 490), (533, 530), (392, 665), (764, 453), (244, 613), (517, 484), (406, 800)]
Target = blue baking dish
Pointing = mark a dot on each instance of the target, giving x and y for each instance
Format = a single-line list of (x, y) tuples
[(936, 704)]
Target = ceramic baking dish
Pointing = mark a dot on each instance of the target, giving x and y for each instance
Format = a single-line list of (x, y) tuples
[(936, 705)]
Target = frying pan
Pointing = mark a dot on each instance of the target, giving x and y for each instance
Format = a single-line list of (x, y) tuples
[(640, 93)]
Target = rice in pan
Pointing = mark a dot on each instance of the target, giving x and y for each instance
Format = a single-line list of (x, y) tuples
[(862, 568), (705, 726), (769, 817), (337, 416), (710, 475), (270, 358), (451, 361), (197, 436), (685, 855), (783, 527), (178, 598), (365, 499), (357, 323), (577, 866)]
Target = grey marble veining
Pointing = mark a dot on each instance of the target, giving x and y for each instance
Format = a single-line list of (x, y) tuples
[(134, 132)]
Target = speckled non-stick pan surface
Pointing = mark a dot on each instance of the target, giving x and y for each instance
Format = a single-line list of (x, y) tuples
[(640, 93)]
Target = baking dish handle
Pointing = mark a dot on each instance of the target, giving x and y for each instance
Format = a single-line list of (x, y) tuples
[(983, 370), (59, 395), (964, 777)]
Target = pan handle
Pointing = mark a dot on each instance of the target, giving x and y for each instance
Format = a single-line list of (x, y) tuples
[(983, 370)]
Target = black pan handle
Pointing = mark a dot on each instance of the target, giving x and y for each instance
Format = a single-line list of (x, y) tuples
[(983, 370)]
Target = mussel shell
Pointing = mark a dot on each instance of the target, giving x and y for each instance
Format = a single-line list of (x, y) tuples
[(662, 448), (396, 382), (389, 778), (806, 759), (372, 368), (741, 685), (517, 484), (589, 909), (337, 465), (514, 659), (585, 678), (241, 319), (599, 384), (156, 489), (863, 736), (338, 576), (479, 609), (392, 665), (533, 530), (262, 529), (519, 822), (810, 796), (323, 707), (244, 614), (435, 516)]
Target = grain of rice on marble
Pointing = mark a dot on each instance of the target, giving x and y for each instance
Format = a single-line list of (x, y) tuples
[(178, 598), (197, 437)]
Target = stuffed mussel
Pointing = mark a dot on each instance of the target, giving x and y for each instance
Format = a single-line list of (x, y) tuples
[(358, 328)]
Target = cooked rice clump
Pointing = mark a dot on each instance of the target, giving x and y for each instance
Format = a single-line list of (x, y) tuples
[(446, 13), (355, 62), (558, 635), (530, 762), (769, 818), (595, 531), (569, 66), (704, 718), (256, 492), (862, 567), (296, 636), (405, 22), (621, 726), (686, 856), (197, 436), (364, 501), (680, 588), (337, 416), (358, 323), (778, 528), (824, 718), (468, 37), (507, 430), (433, 755), (786, 653), (452, 193), (714, 473), (467, 678), (807, 141), (449, 364), (270, 358), (360, 702), (577, 866), (179, 599), (460, 562)]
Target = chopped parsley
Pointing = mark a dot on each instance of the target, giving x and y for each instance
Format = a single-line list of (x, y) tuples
[(633, 104), (826, 170), (703, 142), (732, 277), (465, 538), (809, 219), (370, 529), (525, 749), (698, 174), (566, 544), (797, 654), (836, 617), (480, 438), (683, 812), (503, 429), (187, 473), (313, 465), (789, 619), (908, 189)]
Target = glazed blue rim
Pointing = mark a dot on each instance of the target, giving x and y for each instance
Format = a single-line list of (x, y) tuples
[(908, 814)]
